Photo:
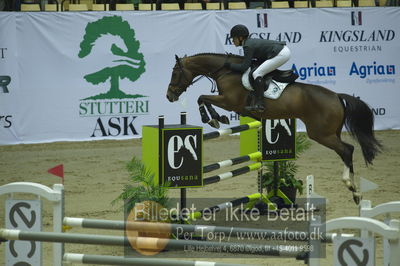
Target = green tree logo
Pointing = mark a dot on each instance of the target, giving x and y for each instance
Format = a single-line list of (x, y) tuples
[(131, 66)]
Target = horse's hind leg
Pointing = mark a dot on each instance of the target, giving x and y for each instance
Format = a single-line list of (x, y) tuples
[(345, 151)]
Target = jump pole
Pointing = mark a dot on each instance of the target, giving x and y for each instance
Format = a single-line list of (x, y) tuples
[(146, 242), (238, 160), (119, 260), (236, 172), (184, 228), (231, 130)]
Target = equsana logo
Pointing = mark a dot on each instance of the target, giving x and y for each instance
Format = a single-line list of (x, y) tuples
[(132, 66)]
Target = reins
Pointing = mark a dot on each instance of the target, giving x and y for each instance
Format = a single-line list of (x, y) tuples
[(214, 86)]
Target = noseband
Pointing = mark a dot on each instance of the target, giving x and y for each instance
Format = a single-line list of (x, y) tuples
[(182, 75)]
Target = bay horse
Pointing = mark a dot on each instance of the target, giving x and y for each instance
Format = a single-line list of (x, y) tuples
[(323, 111)]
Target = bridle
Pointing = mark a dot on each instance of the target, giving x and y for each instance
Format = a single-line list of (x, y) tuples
[(182, 75)]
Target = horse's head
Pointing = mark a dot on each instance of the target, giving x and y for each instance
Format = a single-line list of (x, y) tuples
[(180, 80)]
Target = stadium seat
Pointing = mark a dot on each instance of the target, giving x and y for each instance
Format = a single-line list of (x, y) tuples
[(343, 3), (193, 6), (300, 4), (280, 4), (323, 4), (124, 7), (237, 5), (78, 7), (30, 7), (100, 7), (170, 6), (366, 3), (51, 7), (146, 7), (214, 6)]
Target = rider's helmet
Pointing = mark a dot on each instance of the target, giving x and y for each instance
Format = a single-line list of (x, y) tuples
[(239, 31)]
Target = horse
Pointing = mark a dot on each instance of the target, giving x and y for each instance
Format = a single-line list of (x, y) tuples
[(323, 112)]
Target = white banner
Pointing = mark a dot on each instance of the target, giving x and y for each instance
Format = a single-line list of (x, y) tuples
[(102, 75)]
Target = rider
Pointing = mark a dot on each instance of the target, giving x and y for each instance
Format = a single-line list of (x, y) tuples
[(271, 55)]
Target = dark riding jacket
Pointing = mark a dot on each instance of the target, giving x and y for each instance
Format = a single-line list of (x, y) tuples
[(258, 49)]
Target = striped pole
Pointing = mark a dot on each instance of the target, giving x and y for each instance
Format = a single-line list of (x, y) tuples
[(115, 260), (236, 172), (199, 230), (231, 130), (255, 156), (150, 243)]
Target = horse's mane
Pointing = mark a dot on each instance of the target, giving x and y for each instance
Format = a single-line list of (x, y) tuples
[(217, 54)]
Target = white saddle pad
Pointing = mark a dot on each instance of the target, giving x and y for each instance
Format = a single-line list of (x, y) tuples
[(274, 90)]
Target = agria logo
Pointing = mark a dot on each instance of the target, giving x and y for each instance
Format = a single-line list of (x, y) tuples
[(119, 107), (373, 69), (315, 70)]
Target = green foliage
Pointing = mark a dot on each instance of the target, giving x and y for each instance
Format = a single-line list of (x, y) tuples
[(143, 187), (288, 169), (132, 64)]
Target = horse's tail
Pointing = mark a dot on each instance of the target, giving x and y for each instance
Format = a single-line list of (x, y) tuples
[(359, 121)]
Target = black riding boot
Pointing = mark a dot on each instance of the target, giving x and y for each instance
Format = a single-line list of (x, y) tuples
[(258, 103)]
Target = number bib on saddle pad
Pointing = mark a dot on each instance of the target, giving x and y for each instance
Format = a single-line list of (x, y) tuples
[(273, 91)]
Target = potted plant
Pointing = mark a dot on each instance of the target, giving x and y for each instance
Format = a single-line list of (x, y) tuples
[(143, 199), (287, 182), (143, 187)]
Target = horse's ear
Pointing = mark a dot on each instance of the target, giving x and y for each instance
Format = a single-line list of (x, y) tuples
[(176, 58)]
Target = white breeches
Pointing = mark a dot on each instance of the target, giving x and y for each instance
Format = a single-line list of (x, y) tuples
[(273, 63)]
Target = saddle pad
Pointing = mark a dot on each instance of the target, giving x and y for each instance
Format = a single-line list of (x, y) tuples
[(274, 90)]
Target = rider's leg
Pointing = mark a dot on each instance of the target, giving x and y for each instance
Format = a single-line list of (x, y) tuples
[(258, 103), (265, 68), (273, 63)]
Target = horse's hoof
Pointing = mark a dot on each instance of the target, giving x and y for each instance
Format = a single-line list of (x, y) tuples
[(357, 197), (347, 183), (214, 123), (224, 120)]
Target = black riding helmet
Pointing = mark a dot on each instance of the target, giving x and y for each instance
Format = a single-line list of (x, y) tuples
[(239, 31)]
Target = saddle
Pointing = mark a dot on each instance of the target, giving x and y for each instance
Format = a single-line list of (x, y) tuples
[(284, 76), (280, 79)]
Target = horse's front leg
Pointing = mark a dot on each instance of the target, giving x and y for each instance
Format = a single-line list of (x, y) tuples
[(206, 102), (214, 115)]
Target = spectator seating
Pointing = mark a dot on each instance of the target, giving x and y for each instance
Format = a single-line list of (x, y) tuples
[(214, 6), (170, 6), (30, 7), (300, 4), (237, 5), (193, 6), (146, 7), (78, 7), (366, 3), (101, 7), (280, 4), (88, 5), (326, 3), (124, 7), (343, 3)]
